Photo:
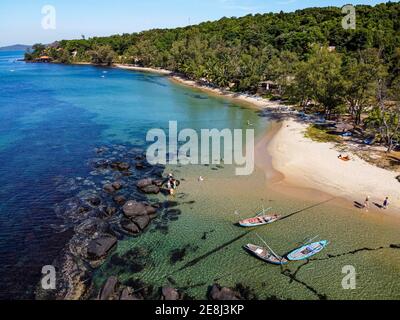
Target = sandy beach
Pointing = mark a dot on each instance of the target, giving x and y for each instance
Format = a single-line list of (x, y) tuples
[(305, 163), (285, 155), (251, 101), (142, 69)]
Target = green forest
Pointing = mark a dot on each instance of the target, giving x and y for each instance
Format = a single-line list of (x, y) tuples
[(307, 55)]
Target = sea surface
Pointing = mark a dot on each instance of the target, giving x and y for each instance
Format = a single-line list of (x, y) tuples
[(53, 117)]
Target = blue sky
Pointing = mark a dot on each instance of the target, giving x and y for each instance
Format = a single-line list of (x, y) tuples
[(20, 20)]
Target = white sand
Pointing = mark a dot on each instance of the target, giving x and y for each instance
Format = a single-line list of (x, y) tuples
[(252, 100), (302, 162), (315, 165), (142, 69)]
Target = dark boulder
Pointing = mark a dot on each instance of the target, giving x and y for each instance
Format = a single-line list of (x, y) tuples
[(144, 183), (120, 200), (100, 247), (101, 164), (151, 211), (117, 185), (121, 166), (142, 221), (158, 182), (151, 189), (101, 150), (94, 201), (110, 211), (139, 165), (91, 226), (133, 208), (223, 294), (109, 289), (128, 295), (109, 188), (129, 226), (169, 294)]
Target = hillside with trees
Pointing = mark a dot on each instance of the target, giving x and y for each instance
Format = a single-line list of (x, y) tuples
[(308, 57)]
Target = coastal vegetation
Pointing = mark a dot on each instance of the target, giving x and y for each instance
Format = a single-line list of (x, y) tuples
[(318, 134), (304, 57)]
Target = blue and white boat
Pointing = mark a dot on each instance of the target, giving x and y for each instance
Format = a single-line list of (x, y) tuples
[(307, 251)]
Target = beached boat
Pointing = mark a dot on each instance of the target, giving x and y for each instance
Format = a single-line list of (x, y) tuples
[(260, 219), (266, 255), (307, 251)]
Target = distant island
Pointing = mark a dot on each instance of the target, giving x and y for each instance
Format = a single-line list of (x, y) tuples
[(16, 47)]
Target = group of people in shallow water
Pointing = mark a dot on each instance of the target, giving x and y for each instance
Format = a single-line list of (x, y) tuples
[(384, 206), (172, 184)]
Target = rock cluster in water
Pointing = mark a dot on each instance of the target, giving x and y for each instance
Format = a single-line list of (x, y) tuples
[(109, 205), (112, 289)]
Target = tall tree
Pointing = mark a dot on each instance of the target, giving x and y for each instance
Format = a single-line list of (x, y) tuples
[(362, 75)]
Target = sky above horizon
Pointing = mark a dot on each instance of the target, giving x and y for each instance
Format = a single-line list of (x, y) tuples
[(21, 20)]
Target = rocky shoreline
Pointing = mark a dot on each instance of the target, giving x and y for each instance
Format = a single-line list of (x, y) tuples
[(111, 204)]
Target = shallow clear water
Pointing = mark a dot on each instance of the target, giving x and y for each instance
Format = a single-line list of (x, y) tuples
[(52, 118), (214, 244)]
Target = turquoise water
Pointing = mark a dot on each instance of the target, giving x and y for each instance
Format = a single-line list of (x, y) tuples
[(52, 117)]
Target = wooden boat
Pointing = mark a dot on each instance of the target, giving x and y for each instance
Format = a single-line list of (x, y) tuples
[(266, 255), (307, 251), (259, 220)]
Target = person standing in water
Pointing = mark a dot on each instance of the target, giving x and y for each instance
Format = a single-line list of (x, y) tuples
[(366, 203), (386, 203)]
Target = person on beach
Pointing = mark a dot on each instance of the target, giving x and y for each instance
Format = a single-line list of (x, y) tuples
[(386, 203), (366, 203)]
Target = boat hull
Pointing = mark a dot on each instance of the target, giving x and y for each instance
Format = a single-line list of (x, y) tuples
[(307, 251), (265, 255), (258, 221)]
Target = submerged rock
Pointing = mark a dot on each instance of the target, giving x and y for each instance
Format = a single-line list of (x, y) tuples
[(151, 189), (128, 295), (94, 201), (142, 222), (121, 166), (133, 208), (149, 186), (117, 185), (169, 294), (139, 165), (120, 200), (144, 183), (108, 188), (110, 211), (100, 247), (219, 293), (92, 226), (101, 164), (109, 289), (129, 226)]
